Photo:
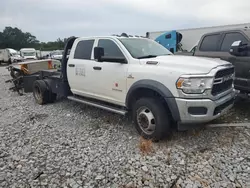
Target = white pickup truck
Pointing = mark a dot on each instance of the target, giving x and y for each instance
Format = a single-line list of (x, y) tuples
[(139, 77)]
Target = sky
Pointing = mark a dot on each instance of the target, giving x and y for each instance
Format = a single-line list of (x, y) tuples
[(51, 19)]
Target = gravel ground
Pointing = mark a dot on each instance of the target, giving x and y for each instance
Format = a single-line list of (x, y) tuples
[(66, 144)]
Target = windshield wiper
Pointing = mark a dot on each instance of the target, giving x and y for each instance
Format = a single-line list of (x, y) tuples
[(147, 56)]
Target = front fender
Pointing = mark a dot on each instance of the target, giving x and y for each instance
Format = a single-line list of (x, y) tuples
[(160, 89)]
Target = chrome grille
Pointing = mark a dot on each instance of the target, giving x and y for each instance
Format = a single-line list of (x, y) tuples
[(223, 81)]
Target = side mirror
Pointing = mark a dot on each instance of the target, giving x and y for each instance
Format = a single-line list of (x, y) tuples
[(239, 49), (98, 53)]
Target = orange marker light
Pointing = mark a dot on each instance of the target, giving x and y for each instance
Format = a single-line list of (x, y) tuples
[(50, 64), (179, 83), (24, 68)]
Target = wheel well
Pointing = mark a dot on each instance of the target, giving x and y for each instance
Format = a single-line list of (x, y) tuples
[(146, 92)]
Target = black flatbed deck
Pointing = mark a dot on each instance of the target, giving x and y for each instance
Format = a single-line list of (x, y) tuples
[(50, 73), (53, 79)]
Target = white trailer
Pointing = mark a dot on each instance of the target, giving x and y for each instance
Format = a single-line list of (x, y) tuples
[(191, 37)]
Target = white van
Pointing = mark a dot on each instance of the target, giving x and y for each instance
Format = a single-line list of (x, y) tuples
[(28, 53), (9, 56)]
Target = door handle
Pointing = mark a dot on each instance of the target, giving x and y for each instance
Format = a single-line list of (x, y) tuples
[(97, 68), (71, 65)]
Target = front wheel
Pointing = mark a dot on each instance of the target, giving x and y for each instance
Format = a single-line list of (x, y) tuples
[(151, 118)]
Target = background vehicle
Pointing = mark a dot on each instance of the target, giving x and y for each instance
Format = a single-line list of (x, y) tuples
[(137, 76), (9, 56), (170, 40), (28, 53), (218, 44), (185, 39), (57, 54), (38, 54)]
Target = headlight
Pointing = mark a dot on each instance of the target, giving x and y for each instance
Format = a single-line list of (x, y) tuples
[(194, 85)]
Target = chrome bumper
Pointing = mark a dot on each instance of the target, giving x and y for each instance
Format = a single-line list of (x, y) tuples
[(204, 110)]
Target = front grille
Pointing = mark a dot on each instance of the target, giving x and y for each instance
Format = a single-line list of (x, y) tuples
[(224, 72), (223, 81)]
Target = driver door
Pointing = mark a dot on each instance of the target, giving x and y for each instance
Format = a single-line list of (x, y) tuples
[(241, 64), (110, 77)]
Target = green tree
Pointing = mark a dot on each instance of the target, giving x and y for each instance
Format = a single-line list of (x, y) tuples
[(17, 39)]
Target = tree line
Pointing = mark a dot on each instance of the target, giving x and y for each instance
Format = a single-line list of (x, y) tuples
[(13, 37)]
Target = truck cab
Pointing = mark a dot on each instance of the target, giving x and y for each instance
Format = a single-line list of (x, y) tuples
[(28, 53), (14, 56), (218, 45), (139, 77), (9, 56), (170, 40)]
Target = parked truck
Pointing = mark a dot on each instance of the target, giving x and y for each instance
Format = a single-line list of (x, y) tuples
[(29, 53), (186, 39), (218, 45), (141, 78), (9, 56)]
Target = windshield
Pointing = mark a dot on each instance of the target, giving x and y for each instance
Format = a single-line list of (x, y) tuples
[(14, 53), (141, 47), (29, 53)]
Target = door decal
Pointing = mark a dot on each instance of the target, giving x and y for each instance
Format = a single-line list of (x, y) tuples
[(80, 71)]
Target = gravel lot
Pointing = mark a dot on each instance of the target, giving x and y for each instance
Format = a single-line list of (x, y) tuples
[(67, 144)]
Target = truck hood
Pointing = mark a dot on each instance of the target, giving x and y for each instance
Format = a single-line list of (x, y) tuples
[(186, 64), (16, 57)]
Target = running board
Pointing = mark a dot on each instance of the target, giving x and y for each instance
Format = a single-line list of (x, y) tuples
[(101, 106)]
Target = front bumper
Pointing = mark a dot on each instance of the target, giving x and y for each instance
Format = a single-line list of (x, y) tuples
[(203, 110)]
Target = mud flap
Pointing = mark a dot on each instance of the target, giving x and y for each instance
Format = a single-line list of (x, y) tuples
[(28, 82)]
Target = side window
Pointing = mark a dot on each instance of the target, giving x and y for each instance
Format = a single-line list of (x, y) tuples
[(209, 43), (110, 48), (83, 49), (229, 39), (168, 36)]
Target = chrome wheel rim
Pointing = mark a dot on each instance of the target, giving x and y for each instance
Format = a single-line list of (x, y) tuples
[(37, 93), (146, 120)]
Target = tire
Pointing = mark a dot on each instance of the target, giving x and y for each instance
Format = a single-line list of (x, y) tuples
[(40, 92), (151, 110), (52, 97)]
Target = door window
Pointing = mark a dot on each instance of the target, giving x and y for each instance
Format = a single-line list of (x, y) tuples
[(110, 48), (168, 36), (229, 39), (84, 49), (209, 43)]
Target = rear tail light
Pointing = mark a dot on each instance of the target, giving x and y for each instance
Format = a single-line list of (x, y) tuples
[(50, 64), (24, 68)]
